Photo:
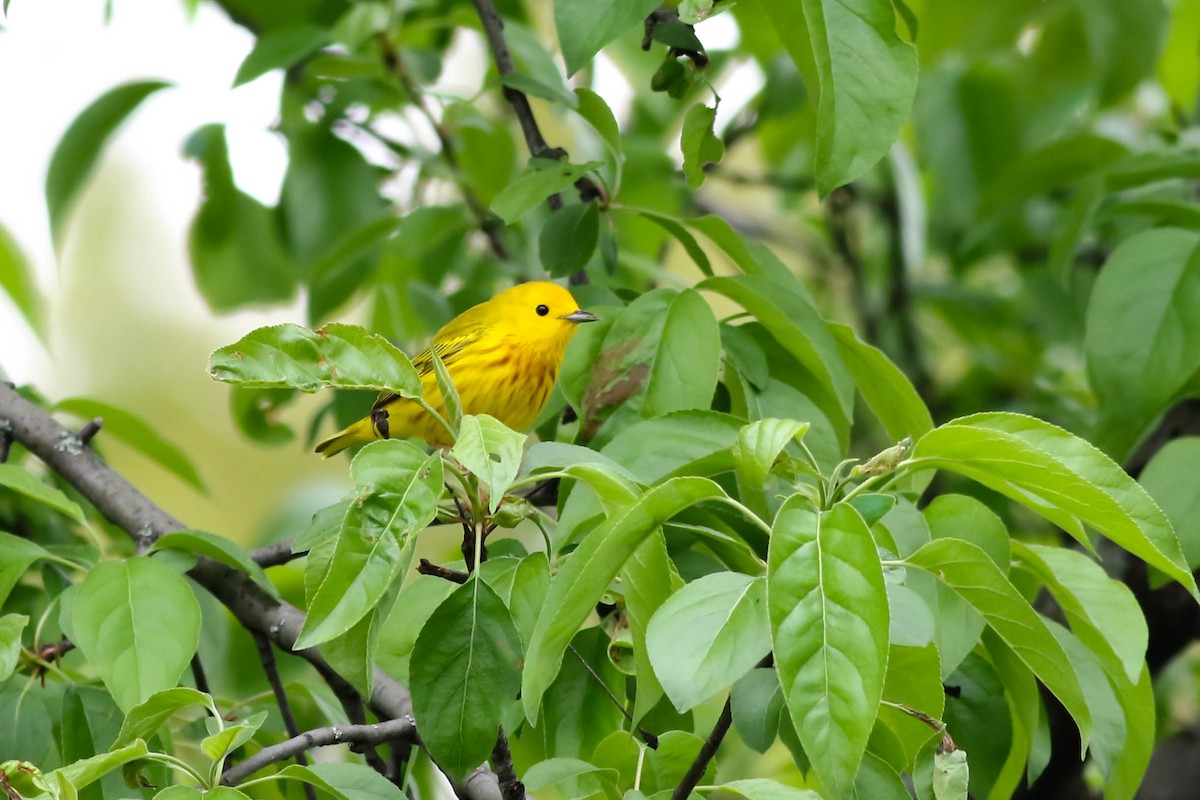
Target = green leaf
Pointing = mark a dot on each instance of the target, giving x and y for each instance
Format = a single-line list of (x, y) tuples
[(585, 26), (491, 451), (661, 353), (1168, 478), (1072, 225), (911, 623), (24, 482), (354, 653), (595, 110), (798, 328), (707, 635), (527, 191), (138, 623), (971, 574), (866, 73), (959, 516), (529, 588), (554, 771), (222, 743), (291, 357), (579, 584), (887, 390), (568, 239), (1061, 477), (451, 400), (398, 487), (756, 701), (16, 555), (760, 444), (83, 773), (465, 673), (687, 358), (647, 578), (11, 626), (137, 434), (699, 144), (345, 780), (1142, 339), (218, 548), (676, 228), (235, 244), (1102, 611), (17, 281), (280, 50), (950, 775), (766, 789), (330, 194), (79, 149), (829, 623), (143, 720)]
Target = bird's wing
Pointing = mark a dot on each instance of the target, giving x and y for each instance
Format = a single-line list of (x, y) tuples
[(448, 349)]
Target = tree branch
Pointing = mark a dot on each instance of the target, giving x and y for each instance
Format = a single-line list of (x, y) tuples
[(371, 735), (127, 508), (493, 29), (511, 787), (266, 654), (707, 751), (273, 555)]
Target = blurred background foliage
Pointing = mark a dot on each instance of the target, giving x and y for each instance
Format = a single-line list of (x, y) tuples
[(1031, 242)]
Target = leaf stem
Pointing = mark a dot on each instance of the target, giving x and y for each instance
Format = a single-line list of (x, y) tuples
[(746, 512), (433, 412), (180, 765)]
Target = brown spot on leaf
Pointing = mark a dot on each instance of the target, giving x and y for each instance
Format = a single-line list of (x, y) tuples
[(612, 383)]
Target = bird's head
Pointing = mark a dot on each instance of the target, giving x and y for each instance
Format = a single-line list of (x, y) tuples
[(541, 312)]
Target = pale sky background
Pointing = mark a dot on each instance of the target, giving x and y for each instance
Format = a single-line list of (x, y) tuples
[(125, 323)]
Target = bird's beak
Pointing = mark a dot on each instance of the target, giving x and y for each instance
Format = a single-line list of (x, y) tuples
[(580, 316)]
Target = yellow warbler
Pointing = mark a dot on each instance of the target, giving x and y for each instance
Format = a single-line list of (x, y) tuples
[(503, 356)]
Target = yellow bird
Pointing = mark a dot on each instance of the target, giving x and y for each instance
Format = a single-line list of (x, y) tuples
[(503, 356)]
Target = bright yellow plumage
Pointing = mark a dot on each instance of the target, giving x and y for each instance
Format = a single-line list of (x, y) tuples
[(503, 356)]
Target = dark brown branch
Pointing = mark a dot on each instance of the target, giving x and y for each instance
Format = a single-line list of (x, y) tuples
[(425, 567), (273, 555), (372, 735), (707, 751), (198, 675), (493, 29), (127, 508), (88, 431), (266, 654), (511, 787)]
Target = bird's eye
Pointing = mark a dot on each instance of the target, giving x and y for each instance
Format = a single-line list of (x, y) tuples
[(543, 311)]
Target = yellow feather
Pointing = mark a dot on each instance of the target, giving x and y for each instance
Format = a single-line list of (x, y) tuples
[(503, 356)]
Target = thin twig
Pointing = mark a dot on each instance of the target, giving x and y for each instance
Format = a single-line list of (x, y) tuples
[(493, 29), (89, 430), (273, 555), (649, 738), (511, 787), (198, 675), (425, 567), (707, 751), (374, 734), (266, 654), (352, 704)]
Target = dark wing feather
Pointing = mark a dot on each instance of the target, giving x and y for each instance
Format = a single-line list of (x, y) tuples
[(448, 350)]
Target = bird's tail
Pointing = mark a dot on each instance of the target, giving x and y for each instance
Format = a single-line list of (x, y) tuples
[(359, 432)]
